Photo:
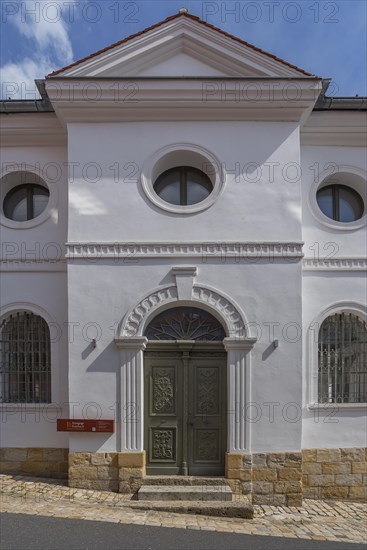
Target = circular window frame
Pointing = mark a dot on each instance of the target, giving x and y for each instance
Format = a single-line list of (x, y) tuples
[(8, 186), (324, 180), (182, 154)]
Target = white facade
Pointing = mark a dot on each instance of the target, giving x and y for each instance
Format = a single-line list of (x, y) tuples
[(102, 259)]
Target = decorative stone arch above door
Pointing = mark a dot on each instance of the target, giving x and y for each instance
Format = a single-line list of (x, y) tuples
[(132, 342), (185, 292)]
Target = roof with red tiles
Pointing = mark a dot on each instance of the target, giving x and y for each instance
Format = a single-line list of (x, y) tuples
[(172, 18)]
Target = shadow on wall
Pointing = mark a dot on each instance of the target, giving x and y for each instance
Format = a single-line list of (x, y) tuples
[(268, 351)]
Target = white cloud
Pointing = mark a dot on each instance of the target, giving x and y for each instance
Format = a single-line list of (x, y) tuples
[(41, 23), (17, 79), (46, 27)]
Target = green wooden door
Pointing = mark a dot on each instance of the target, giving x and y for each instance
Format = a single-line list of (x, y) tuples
[(162, 411), (185, 408)]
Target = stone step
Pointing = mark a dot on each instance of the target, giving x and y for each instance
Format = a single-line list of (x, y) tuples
[(238, 509), (184, 480), (185, 492)]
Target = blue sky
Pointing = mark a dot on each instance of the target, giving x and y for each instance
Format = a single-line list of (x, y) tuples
[(326, 38)]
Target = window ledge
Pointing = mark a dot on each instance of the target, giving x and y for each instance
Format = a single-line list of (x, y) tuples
[(30, 407), (338, 406)]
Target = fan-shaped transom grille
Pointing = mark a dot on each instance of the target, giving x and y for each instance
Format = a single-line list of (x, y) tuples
[(185, 323)]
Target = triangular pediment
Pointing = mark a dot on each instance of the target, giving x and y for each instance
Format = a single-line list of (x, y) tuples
[(180, 64), (181, 46)]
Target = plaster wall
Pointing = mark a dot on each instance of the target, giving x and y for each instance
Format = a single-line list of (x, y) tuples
[(320, 240), (268, 294), (338, 425), (46, 240), (253, 205), (27, 425), (343, 426)]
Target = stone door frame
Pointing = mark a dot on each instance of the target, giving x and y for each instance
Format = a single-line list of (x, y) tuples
[(132, 344)]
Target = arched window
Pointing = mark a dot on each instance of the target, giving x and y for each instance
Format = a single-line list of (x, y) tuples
[(342, 359), (185, 323), (25, 370)]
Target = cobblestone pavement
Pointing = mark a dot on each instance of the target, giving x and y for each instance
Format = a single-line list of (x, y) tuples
[(316, 520)]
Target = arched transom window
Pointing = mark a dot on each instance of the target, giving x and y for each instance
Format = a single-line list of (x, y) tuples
[(25, 370), (185, 323), (342, 363)]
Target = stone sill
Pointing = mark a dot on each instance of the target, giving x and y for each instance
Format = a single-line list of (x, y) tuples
[(338, 406), (19, 407)]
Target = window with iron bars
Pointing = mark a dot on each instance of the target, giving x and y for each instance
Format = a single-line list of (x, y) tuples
[(342, 359), (25, 370)]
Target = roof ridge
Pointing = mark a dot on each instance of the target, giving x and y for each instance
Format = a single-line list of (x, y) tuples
[(172, 18)]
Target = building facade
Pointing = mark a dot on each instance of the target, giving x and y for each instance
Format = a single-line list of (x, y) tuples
[(184, 252)]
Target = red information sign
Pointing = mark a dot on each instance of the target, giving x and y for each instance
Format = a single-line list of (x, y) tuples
[(77, 425)]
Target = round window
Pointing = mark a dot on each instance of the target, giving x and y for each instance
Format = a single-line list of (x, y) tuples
[(183, 185), (340, 203), (25, 202), (182, 178)]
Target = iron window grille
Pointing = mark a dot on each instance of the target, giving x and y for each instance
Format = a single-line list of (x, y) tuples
[(25, 369), (342, 359)]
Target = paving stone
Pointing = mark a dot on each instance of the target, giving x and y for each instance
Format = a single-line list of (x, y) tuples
[(316, 520)]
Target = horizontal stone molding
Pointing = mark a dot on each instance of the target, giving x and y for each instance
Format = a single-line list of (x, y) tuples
[(43, 408), (30, 129), (33, 265), (137, 343), (237, 251), (337, 407), (167, 99), (235, 344), (335, 128), (335, 264)]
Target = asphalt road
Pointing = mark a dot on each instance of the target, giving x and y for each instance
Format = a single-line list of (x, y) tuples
[(26, 532)]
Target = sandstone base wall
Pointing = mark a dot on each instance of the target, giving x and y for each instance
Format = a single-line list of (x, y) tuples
[(335, 473), (118, 472), (270, 478), (287, 478), (39, 462)]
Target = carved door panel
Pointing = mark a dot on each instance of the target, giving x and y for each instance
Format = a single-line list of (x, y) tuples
[(207, 415), (163, 413), (185, 410)]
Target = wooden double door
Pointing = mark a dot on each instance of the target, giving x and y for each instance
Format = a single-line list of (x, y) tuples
[(185, 408)]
